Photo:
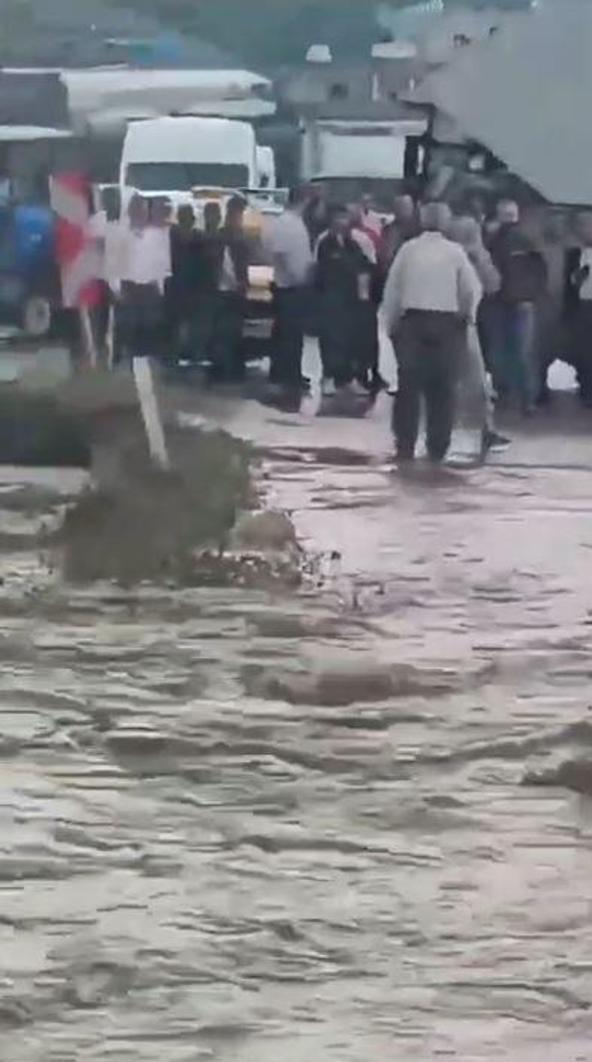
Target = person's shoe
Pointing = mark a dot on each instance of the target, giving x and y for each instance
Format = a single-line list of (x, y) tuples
[(356, 388), (378, 383), (328, 388), (495, 443)]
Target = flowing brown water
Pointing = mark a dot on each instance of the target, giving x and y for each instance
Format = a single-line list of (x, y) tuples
[(245, 827)]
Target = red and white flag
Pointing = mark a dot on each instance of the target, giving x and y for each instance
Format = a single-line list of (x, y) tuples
[(77, 252)]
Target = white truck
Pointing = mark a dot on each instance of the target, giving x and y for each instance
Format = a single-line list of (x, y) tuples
[(347, 152)]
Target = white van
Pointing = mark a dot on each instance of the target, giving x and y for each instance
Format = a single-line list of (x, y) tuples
[(167, 155)]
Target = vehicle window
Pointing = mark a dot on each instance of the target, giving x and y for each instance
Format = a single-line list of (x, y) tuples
[(183, 176)]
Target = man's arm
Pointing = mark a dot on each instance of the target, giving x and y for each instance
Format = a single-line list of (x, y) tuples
[(391, 299), (470, 290)]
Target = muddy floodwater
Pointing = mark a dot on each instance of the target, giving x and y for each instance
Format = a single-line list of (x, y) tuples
[(245, 826)]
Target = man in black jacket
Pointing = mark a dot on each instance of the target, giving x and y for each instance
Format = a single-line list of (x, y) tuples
[(231, 263), (577, 304), (514, 349), (184, 284), (344, 283)]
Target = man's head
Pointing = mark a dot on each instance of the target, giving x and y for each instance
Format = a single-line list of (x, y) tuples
[(404, 208), (507, 212), (298, 199), (476, 207), (138, 211), (186, 217), (356, 213), (212, 215), (367, 201), (584, 227), (160, 211), (235, 212), (339, 221), (436, 217), (466, 231)]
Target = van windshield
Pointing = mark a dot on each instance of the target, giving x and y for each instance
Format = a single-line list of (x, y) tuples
[(183, 176)]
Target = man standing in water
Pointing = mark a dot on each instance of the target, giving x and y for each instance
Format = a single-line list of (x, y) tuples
[(432, 292)]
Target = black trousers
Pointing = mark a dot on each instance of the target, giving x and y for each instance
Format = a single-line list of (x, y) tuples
[(140, 320), (228, 314), (428, 347), (581, 347), (288, 336), (367, 327), (339, 337)]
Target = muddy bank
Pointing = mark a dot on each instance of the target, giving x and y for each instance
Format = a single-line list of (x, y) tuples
[(37, 430), (145, 524)]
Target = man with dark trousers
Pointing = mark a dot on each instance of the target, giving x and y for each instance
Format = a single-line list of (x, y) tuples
[(431, 294), (577, 304)]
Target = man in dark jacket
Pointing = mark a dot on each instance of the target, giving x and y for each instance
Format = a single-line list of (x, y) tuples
[(404, 226), (514, 346), (231, 263), (577, 304), (344, 282), (184, 283)]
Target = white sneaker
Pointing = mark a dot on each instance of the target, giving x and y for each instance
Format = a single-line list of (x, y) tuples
[(328, 388)]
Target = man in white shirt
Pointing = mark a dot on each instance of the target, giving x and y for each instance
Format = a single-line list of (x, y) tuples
[(432, 292), (289, 243), (145, 266)]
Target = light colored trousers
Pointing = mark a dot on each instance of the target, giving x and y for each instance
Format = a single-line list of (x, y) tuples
[(475, 393)]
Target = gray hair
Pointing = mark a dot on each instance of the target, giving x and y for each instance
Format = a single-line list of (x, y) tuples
[(436, 217), (466, 231)]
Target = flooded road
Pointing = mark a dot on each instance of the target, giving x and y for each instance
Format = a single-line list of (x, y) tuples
[(241, 827)]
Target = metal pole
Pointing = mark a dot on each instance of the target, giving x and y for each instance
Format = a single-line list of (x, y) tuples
[(144, 381)]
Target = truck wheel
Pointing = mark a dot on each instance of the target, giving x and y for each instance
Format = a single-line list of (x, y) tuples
[(36, 316)]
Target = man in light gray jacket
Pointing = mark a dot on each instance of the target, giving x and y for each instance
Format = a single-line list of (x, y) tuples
[(476, 389)]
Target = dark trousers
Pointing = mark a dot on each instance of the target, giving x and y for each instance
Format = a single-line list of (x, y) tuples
[(514, 350), (582, 347), (339, 338), (228, 312), (141, 320), (429, 347), (288, 336), (367, 325)]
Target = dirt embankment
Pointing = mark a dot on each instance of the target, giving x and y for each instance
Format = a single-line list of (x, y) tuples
[(191, 525)]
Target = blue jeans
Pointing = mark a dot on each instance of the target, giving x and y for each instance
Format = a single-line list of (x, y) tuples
[(513, 351)]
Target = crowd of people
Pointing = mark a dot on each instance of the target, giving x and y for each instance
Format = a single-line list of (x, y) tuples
[(175, 291), (461, 297)]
